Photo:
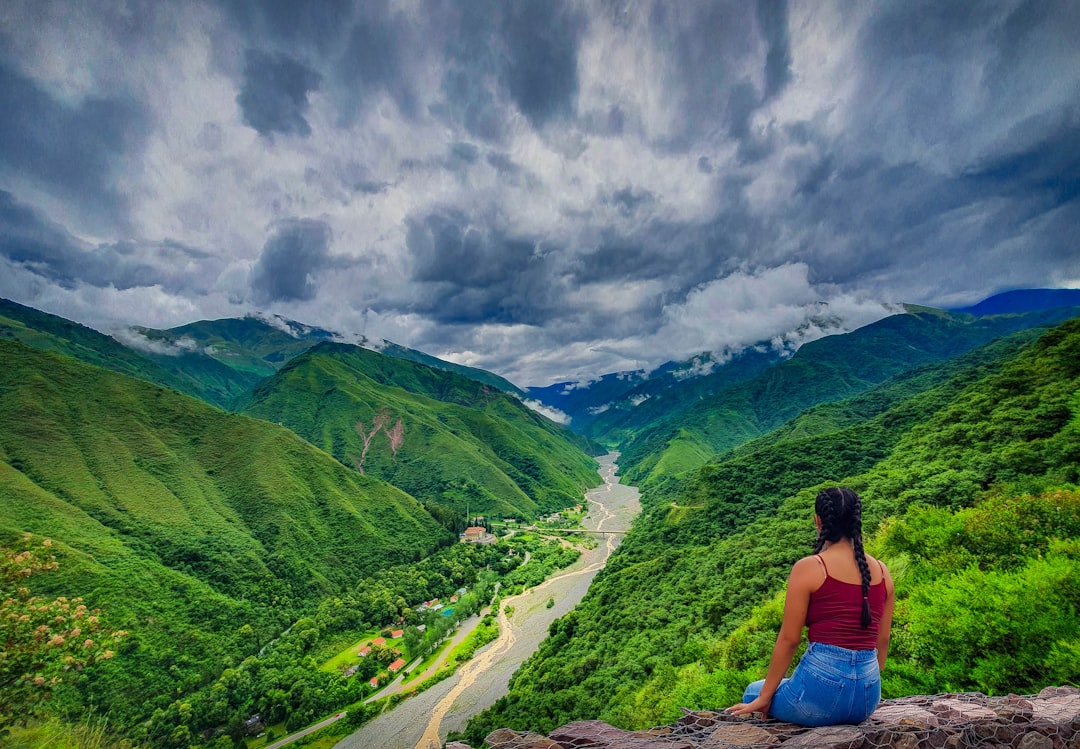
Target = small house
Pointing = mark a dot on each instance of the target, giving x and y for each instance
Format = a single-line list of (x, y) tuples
[(397, 665)]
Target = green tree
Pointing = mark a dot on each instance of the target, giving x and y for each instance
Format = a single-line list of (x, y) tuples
[(43, 642)]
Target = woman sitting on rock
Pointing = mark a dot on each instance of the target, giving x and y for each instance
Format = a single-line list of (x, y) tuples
[(845, 598)]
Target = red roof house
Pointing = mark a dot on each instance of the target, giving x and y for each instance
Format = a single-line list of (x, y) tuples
[(397, 634), (364, 652), (379, 641), (396, 665)]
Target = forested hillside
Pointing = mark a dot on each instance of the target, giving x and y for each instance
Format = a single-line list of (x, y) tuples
[(823, 371), (459, 444), (202, 533), (218, 361), (262, 347), (615, 407), (968, 470), (186, 370)]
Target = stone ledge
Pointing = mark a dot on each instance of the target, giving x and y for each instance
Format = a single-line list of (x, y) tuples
[(1047, 720)]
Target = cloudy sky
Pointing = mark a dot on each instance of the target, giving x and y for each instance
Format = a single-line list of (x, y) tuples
[(547, 190)]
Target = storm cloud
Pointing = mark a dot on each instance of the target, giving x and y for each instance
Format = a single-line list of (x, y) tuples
[(550, 190), (274, 95), (293, 255)]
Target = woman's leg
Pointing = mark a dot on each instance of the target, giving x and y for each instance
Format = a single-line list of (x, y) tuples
[(751, 693)]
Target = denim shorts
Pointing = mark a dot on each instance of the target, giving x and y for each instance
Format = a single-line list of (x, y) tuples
[(830, 685)]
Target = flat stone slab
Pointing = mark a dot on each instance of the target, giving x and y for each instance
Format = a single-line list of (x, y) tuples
[(738, 734), (828, 737), (1048, 720)]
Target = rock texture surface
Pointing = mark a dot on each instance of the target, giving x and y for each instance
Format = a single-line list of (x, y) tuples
[(1047, 720)]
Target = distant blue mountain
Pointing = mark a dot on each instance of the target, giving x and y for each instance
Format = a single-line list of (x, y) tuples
[(1023, 300)]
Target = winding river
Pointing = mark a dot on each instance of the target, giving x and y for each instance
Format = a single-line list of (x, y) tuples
[(422, 722)]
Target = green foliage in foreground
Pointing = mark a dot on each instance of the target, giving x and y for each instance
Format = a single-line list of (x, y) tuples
[(45, 641), (977, 474), (464, 445)]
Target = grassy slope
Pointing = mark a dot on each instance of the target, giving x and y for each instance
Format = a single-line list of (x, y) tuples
[(253, 345), (191, 373), (184, 522), (692, 572), (465, 444), (823, 371)]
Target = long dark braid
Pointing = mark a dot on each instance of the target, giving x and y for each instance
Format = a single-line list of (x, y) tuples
[(855, 534), (840, 510)]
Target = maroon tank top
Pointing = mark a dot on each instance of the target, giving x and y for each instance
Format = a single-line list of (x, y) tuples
[(834, 616)]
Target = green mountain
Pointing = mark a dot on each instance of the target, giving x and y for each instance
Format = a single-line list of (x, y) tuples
[(1023, 300), (201, 532), (246, 344), (261, 346), (464, 445), (823, 371), (218, 361), (968, 469), (616, 406), (183, 368)]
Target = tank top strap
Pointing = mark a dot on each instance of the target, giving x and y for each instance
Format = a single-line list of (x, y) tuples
[(823, 565), (884, 580)]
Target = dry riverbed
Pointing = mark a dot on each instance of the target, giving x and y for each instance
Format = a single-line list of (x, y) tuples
[(424, 721)]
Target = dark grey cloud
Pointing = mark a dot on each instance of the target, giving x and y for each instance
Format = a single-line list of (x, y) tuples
[(75, 151), (274, 95), (46, 249), (384, 48), (471, 272), (628, 200), (285, 271), (541, 73), (314, 24), (501, 56), (772, 18)]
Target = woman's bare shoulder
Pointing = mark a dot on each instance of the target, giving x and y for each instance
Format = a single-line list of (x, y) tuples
[(810, 565)]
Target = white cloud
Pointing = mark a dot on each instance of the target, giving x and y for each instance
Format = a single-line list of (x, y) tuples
[(137, 340), (552, 413), (750, 306)]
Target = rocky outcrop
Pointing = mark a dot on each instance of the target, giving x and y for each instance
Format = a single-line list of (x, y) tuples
[(1047, 720)]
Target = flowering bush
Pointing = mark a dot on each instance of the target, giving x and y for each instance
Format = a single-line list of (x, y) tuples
[(42, 642)]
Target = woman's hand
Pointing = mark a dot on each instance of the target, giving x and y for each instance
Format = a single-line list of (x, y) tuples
[(760, 705)]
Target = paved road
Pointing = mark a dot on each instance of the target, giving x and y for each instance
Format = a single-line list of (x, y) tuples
[(464, 629), (424, 721), (294, 736)]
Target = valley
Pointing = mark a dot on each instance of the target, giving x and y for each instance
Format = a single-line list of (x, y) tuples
[(252, 509), (423, 721)]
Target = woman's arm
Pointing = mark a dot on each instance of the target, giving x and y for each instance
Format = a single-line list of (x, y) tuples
[(805, 577), (885, 630)]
